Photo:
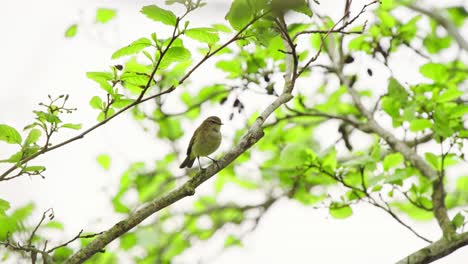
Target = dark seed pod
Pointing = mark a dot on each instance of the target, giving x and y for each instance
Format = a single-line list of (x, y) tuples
[(236, 103), (231, 116), (119, 67), (349, 59), (223, 100), (369, 71), (266, 77)]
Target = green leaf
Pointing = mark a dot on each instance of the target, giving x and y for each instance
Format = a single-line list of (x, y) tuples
[(232, 240), (435, 71), (294, 155), (72, 126), (104, 160), (420, 124), (9, 135), (22, 213), (96, 102), (435, 44), (71, 31), (458, 15), (62, 253), (462, 184), (104, 15), (120, 103), (207, 35), (135, 47), (432, 159), (414, 212), (386, 4), (175, 54), (458, 220), (4, 206), (387, 19), (234, 67), (54, 225), (463, 133), (303, 8), (239, 14), (34, 169), (449, 95), (33, 137), (128, 241), (102, 79), (222, 28), (160, 15), (340, 211), (170, 128), (392, 160)]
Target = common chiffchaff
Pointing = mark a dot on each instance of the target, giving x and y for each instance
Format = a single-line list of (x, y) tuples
[(205, 140)]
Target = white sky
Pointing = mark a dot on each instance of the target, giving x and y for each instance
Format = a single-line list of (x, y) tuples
[(37, 60)]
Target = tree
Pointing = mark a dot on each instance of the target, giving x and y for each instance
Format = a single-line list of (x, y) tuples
[(415, 129)]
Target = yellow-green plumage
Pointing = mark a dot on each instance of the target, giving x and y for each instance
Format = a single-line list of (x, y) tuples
[(205, 140)]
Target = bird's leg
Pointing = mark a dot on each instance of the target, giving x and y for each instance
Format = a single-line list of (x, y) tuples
[(199, 166), (215, 161)]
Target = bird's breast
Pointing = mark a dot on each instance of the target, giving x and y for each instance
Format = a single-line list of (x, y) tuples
[(207, 144)]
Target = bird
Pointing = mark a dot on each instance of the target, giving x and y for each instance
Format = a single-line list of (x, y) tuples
[(205, 140)]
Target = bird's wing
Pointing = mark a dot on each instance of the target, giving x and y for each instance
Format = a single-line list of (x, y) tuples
[(192, 140)]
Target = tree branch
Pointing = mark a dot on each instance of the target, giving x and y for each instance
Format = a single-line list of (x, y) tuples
[(438, 198), (441, 20), (253, 135), (138, 101), (436, 250)]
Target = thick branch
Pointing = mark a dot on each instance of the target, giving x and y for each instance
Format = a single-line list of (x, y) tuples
[(138, 101), (443, 21), (438, 197), (253, 135), (436, 250)]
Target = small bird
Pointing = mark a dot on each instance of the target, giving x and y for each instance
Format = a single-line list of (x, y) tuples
[(205, 140)]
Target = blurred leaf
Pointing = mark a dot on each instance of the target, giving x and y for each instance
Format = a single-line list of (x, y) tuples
[(4, 206), (232, 240), (392, 160), (239, 14), (414, 212), (72, 126), (175, 54), (458, 220), (96, 102), (206, 35), (160, 15), (170, 128), (33, 136), (435, 71), (128, 241), (71, 31), (54, 225), (135, 47), (449, 95), (22, 213), (420, 124), (104, 160), (9, 135), (340, 211), (433, 160), (104, 15), (62, 253)]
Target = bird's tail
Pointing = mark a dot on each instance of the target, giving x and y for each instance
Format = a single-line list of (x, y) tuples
[(187, 162)]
